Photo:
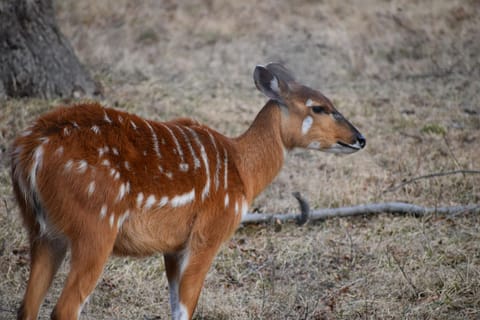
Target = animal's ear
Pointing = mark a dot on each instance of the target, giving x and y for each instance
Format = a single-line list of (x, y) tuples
[(270, 84)]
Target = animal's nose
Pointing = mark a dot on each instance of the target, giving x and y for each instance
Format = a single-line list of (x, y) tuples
[(361, 141)]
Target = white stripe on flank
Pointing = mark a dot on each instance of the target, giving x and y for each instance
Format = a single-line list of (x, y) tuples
[(156, 148), (103, 211), (183, 166), (204, 156), (91, 188), (183, 199), (218, 164), (134, 126), (150, 201), (196, 161), (225, 167)]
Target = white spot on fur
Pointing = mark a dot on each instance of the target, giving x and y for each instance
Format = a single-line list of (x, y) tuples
[(120, 119), (111, 220), (112, 172), (227, 200), (169, 175), (66, 131), (122, 219), (162, 202), (309, 103), (106, 163), (68, 165), (183, 166), (116, 176), (150, 201), (183, 199), (236, 207), (91, 188), (103, 211), (95, 129), (134, 126), (59, 151), (127, 165), (139, 199), (307, 124), (121, 192), (106, 117), (82, 166), (115, 151), (26, 133)]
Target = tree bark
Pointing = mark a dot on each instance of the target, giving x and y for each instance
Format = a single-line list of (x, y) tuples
[(36, 60)]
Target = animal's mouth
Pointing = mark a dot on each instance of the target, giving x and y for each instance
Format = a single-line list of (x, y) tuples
[(355, 146)]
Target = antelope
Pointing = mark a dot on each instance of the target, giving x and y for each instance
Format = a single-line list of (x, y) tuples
[(100, 181)]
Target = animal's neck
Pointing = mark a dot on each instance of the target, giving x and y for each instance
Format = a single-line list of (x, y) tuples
[(260, 150)]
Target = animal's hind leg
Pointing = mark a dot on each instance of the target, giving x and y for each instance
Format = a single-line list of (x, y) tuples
[(90, 252), (46, 257)]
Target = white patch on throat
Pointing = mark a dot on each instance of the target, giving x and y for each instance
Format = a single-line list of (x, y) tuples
[(314, 145), (307, 124)]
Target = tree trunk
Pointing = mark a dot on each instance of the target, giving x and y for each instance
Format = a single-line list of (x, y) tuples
[(36, 60)]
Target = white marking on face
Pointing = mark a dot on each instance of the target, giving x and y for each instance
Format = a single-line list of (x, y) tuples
[(196, 161), (122, 218), (314, 145), (91, 188), (309, 103), (103, 211), (134, 126), (59, 151), (218, 162), (156, 148), (68, 165), (95, 129), (162, 202), (150, 201), (115, 151), (82, 166), (274, 85), (307, 124), (227, 200), (111, 220), (139, 199), (204, 156), (106, 163), (106, 117), (183, 199)]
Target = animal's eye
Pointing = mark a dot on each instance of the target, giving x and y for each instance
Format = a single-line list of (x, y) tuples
[(319, 109)]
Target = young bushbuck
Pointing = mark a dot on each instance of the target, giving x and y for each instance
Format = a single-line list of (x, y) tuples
[(101, 181)]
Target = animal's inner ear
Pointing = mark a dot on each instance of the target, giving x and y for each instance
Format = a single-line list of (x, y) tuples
[(269, 84)]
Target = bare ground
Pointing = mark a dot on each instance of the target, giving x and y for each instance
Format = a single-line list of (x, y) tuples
[(406, 73)]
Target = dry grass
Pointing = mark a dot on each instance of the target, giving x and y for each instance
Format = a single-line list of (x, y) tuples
[(407, 73)]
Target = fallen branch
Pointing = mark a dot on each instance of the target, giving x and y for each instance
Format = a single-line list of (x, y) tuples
[(360, 210)]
